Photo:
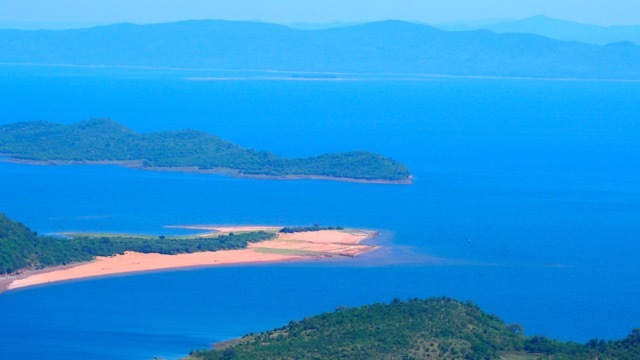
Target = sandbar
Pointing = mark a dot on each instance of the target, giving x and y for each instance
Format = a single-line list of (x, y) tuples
[(285, 247)]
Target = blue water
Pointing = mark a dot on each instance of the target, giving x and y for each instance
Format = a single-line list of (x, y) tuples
[(526, 200)]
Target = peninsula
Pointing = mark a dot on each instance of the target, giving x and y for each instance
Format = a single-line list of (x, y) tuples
[(103, 141), (27, 259)]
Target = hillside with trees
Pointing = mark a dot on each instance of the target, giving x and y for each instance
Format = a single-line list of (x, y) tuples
[(105, 140), (436, 328), (20, 248)]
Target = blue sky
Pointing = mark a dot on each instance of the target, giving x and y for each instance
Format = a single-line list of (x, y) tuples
[(77, 12)]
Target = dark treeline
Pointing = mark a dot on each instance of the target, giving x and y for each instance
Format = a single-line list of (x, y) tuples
[(437, 328), (21, 248), (295, 229), (106, 140)]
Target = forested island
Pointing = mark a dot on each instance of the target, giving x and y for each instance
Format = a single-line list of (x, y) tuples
[(105, 141), (21, 248), (436, 328)]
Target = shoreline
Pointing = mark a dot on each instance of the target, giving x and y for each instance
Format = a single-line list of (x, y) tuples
[(355, 75), (138, 165), (301, 246)]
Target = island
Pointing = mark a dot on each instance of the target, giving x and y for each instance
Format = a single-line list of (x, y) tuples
[(104, 141), (435, 328), (28, 259)]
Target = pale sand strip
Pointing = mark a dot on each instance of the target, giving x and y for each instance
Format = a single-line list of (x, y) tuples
[(286, 247)]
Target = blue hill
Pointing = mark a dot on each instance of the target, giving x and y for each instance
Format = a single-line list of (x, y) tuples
[(381, 47), (559, 30)]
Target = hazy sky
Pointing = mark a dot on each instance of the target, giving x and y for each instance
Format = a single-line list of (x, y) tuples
[(603, 12)]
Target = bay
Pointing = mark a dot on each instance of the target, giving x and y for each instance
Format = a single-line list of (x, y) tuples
[(526, 201)]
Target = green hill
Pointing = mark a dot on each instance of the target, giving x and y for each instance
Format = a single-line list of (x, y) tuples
[(17, 245), (106, 140), (437, 328), (20, 248)]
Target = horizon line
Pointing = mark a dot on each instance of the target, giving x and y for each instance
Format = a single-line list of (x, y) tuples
[(300, 25)]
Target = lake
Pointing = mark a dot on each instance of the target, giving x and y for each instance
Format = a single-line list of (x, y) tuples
[(526, 201)]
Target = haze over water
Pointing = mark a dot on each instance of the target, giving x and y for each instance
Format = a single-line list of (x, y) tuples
[(526, 201)]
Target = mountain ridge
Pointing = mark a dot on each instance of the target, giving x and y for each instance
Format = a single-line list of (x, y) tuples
[(557, 29), (379, 47)]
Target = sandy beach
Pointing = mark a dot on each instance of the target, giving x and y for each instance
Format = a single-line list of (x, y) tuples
[(286, 247)]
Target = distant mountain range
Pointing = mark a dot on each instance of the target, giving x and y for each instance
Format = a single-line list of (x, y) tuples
[(379, 47), (557, 29)]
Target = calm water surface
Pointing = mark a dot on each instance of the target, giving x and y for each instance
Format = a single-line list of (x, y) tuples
[(526, 201)]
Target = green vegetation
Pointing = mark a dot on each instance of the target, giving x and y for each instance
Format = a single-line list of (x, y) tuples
[(21, 248), (17, 245), (295, 229), (106, 140), (437, 328)]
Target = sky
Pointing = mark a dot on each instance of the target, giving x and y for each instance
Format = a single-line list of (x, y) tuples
[(73, 13)]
